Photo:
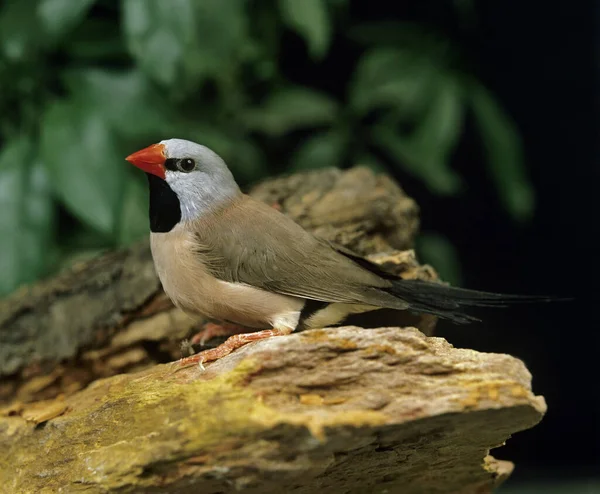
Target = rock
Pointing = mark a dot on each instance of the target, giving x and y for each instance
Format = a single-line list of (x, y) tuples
[(344, 410)]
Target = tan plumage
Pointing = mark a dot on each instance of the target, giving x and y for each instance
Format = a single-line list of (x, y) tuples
[(247, 263), (191, 285)]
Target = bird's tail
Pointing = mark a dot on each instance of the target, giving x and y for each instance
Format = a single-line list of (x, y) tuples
[(449, 302)]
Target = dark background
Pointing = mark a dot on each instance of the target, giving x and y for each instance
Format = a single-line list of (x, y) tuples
[(543, 65)]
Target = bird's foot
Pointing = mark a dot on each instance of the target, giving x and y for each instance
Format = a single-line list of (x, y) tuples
[(231, 344), (211, 330)]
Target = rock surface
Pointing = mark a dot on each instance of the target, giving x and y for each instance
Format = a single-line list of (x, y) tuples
[(344, 410)]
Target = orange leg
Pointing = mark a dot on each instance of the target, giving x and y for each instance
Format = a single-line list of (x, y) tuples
[(211, 330), (232, 343)]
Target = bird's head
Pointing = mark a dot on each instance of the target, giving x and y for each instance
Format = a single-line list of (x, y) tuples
[(185, 173)]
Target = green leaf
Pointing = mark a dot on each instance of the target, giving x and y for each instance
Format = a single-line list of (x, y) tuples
[(392, 78), (426, 152), (370, 161), (158, 33), (414, 36), (310, 19), (504, 152), (438, 251), (59, 16), (27, 219), (290, 109), (97, 39), (30, 26), (86, 171), (247, 161), (22, 34), (320, 151), (126, 99), (82, 238), (134, 223), (79, 243), (180, 42), (221, 39)]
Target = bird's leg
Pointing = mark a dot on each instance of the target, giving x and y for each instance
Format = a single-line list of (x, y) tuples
[(211, 330), (232, 343)]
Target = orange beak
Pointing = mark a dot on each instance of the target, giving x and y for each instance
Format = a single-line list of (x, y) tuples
[(151, 160)]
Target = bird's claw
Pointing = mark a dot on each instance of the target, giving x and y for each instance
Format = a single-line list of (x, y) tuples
[(232, 343), (211, 330)]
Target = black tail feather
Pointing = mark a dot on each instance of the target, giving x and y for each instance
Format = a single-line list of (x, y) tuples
[(449, 302)]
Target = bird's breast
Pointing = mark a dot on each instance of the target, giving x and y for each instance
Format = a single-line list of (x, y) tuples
[(193, 288)]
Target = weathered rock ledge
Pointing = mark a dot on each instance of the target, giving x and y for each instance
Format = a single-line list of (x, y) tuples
[(344, 410)]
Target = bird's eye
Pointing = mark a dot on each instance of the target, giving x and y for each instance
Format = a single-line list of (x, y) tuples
[(186, 165)]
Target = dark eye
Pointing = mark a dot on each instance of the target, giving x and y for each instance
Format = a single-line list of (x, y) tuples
[(186, 165)]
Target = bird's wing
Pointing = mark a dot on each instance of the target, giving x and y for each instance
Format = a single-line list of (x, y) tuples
[(252, 243)]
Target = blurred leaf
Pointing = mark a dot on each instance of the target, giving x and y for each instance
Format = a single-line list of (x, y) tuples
[(319, 151), (370, 161), (86, 171), (386, 34), (158, 34), (411, 36), (292, 108), (21, 32), (81, 237), (27, 26), (309, 18), (59, 16), (125, 99), (438, 251), (181, 41), (247, 162), (391, 77), (504, 152), (97, 38), (134, 223), (220, 30), (78, 243), (426, 152), (27, 219)]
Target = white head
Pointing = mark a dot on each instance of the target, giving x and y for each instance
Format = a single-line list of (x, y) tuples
[(198, 176)]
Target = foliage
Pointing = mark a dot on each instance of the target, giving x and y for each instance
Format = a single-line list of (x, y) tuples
[(85, 83)]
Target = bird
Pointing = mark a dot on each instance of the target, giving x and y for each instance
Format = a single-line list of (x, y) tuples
[(224, 255)]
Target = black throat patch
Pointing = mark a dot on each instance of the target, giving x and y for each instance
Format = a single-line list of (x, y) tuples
[(165, 210)]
